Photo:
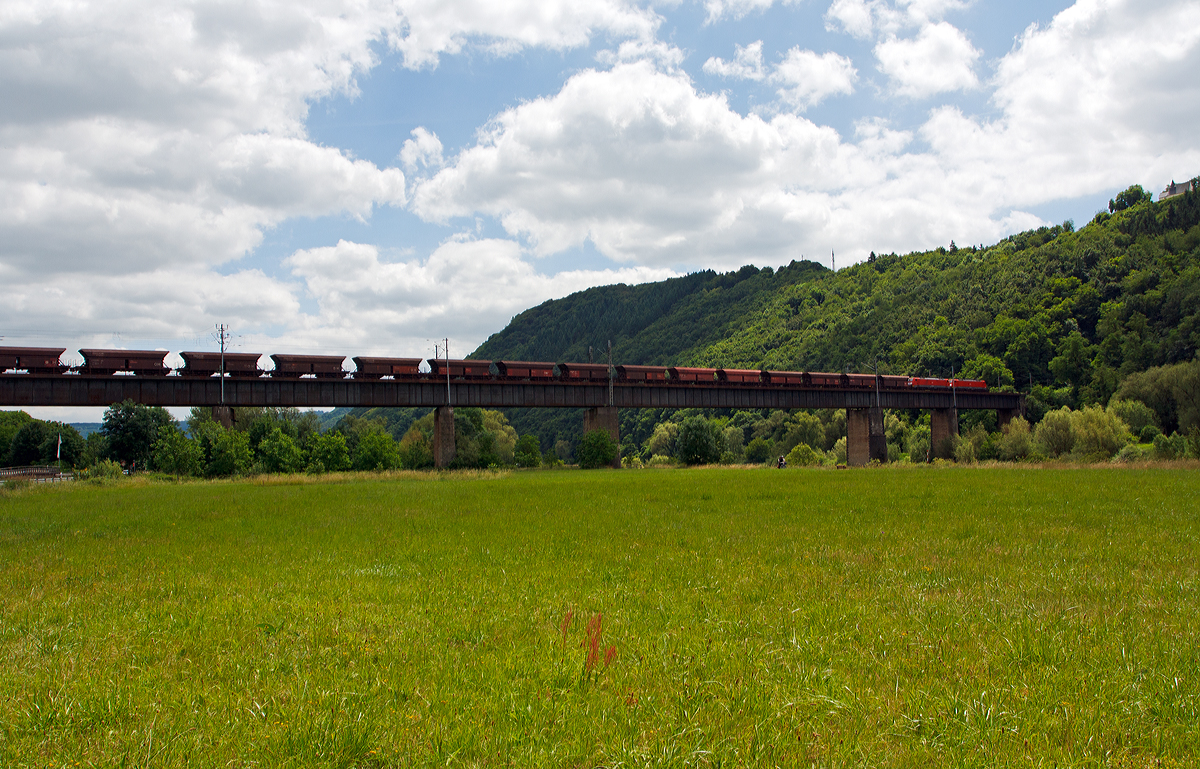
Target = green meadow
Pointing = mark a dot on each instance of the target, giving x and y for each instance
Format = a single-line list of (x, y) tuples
[(714, 617)]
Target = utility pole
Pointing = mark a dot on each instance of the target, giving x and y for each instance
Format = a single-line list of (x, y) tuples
[(446, 341), (610, 373), (223, 333)]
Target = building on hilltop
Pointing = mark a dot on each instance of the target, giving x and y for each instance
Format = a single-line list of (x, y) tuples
[(1175, 190)]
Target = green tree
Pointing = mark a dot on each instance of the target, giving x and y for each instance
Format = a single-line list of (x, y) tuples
[(10, 423), (280, 454), (1053, 435), (27, 444), (697, 443), (597, 449), (70, 452), (377, 451), (176, 454), (131, 430), (758, 451), (327, 452), (528, 452), (231, 454)]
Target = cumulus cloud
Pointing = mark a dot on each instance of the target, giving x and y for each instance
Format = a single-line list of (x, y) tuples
[(151, 144), (867, 18), (808, 77), (466, 289), (653, 171), (747, 63), (432, 28), (718, 9), (939, 59)]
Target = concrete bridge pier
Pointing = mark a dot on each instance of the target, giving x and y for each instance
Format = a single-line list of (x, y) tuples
[(223, 415), (1004, 416), (943, 427), (605, 418), (865, 438), (443, 436)]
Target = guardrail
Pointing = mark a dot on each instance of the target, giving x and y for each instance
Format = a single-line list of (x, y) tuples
[(39, 473)]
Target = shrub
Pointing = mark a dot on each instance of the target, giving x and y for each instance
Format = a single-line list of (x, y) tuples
[(964, 451), (1053, 436), (1016, 441), (1098, 432), (1131, 452), (1173, 447), (916, 444), (1148, 433), (280, 454), (697, 443), (528, 452), (416, 451), (377, 451), (1135, 414), (101, 471), (177, 454), (231, 454), (804, 455), (839, 451), (660, 460), (597, 449), (328, 452), (758, 451)]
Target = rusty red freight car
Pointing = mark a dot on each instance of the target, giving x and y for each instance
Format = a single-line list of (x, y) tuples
[(377, 368), (792, 378), (35, 360), (860, 381), (892, 382), (588, 372), (685, 374), (319, 366), (825, 379), (642, 373), (461, 369), (523, 369), (204, 364), (139, 362), (740, 375)]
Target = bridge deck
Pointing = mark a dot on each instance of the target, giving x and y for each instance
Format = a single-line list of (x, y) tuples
[(71, 390)]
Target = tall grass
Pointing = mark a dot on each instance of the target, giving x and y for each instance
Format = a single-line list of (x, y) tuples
[(675, 618)]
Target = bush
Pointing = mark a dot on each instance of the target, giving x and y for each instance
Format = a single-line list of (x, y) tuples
[(839, 451), (231, 454), (916, 444), (1053, 435), (1098, 432), (597, 449), (1016, 441), (1173, 447), (660, 460), (964, 451), (759, 451), (377, 451), (1132, 452), (1135, 414), (804, 455), (1148, 433), (697, 443), (177, 454), (101, 471), (528, 451), (280, 454), (328, 452)]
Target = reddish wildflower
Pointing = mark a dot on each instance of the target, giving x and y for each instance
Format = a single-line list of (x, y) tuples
[(593, 641), (610, 655)]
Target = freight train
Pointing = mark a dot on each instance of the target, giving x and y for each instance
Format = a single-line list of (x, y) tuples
[(22, 361)]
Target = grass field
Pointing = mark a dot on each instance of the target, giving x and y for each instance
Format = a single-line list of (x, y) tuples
[(893, 617)]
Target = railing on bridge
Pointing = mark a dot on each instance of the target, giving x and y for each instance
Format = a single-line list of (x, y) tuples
[(36, 473)]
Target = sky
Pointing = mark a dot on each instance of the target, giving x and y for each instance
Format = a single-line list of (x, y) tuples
[(370, 176)]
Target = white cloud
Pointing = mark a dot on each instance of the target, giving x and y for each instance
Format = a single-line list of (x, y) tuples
[(432, 28), (808, 77), (737, 9), (424, 151), (867, 18), (652, 171), (747, 63), (466, 289), (939, 59)]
